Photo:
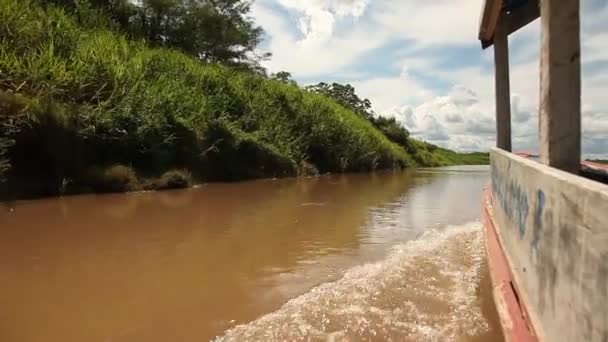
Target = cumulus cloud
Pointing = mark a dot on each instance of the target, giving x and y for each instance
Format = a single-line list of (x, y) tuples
[(386, 92), (519, 114), (317, 18), (463, 96), (463, 121), (454, 120), (306, 41)]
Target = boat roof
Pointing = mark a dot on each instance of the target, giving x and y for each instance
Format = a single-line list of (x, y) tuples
[(516, 14)]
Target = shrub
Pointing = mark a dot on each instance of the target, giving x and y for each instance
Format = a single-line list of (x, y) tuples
[(116, 178), (11, 121), (308, 169), (4, 161), (175, 179)]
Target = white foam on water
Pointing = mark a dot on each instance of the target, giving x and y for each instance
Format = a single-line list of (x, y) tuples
[(424, 290)]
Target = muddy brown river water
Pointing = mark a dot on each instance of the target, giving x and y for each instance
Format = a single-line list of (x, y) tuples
[(396, 256)]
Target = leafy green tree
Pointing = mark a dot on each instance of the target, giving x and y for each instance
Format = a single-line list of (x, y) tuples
[(213, 30), (392, 129), (217, 31), (346, 96), (283, 76)]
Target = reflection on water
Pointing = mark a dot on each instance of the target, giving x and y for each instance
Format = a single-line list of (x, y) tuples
[(226, 258)]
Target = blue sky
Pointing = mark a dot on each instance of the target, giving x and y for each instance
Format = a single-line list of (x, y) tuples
[(420, 61)]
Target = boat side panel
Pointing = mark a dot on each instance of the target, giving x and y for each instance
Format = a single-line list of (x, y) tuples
[(553, 227)]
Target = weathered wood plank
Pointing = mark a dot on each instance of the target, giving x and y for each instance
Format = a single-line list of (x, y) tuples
[(560, 98), (489, 18), (503, 92)]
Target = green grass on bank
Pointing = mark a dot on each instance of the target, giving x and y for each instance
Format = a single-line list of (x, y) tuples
[(473, 158), (426, 154), (77, 104)]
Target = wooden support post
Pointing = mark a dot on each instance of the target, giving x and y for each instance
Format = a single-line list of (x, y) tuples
[(503, 93), (560, 93)]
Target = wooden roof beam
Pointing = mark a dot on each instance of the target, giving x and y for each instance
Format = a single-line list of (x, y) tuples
[(489, 18), (514, 20)]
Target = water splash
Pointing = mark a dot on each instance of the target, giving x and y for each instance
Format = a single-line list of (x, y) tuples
[(424, 290)]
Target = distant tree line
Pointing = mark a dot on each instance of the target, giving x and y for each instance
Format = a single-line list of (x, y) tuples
[(345, 95)]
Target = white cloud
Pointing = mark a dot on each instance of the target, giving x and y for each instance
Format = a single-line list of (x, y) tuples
[(463, 96), (455, 120), (318, 18), (386, 92), (429, 22), (311, 47), (405, 72), (518, 113)]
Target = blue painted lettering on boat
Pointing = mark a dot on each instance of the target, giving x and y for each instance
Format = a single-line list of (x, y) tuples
[(538, 218), (512, 198)]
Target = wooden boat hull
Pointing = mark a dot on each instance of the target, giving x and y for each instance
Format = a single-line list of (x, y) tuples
[(512, 313)]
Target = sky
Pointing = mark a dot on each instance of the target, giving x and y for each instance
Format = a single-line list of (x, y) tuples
[(420, 61)]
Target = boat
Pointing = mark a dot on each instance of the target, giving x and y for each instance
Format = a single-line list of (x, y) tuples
[(545, 217)]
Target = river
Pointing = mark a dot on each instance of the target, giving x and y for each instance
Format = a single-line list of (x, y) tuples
[(392, 256)]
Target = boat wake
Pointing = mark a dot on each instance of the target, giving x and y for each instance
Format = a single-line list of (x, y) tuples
[(424, 290)]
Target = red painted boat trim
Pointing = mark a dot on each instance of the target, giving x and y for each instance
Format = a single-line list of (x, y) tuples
[(585, 164), (512, 312)]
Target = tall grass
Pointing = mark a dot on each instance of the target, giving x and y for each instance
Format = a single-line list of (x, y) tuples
[(92, 98), (76, 98)]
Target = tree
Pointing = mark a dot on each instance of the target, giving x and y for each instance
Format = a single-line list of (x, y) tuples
[(283, 76), (346, 96), (218, 31), (214, 30), (392, 129)]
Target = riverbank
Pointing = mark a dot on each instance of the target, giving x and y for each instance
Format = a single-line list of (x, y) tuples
[(83, 108)]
